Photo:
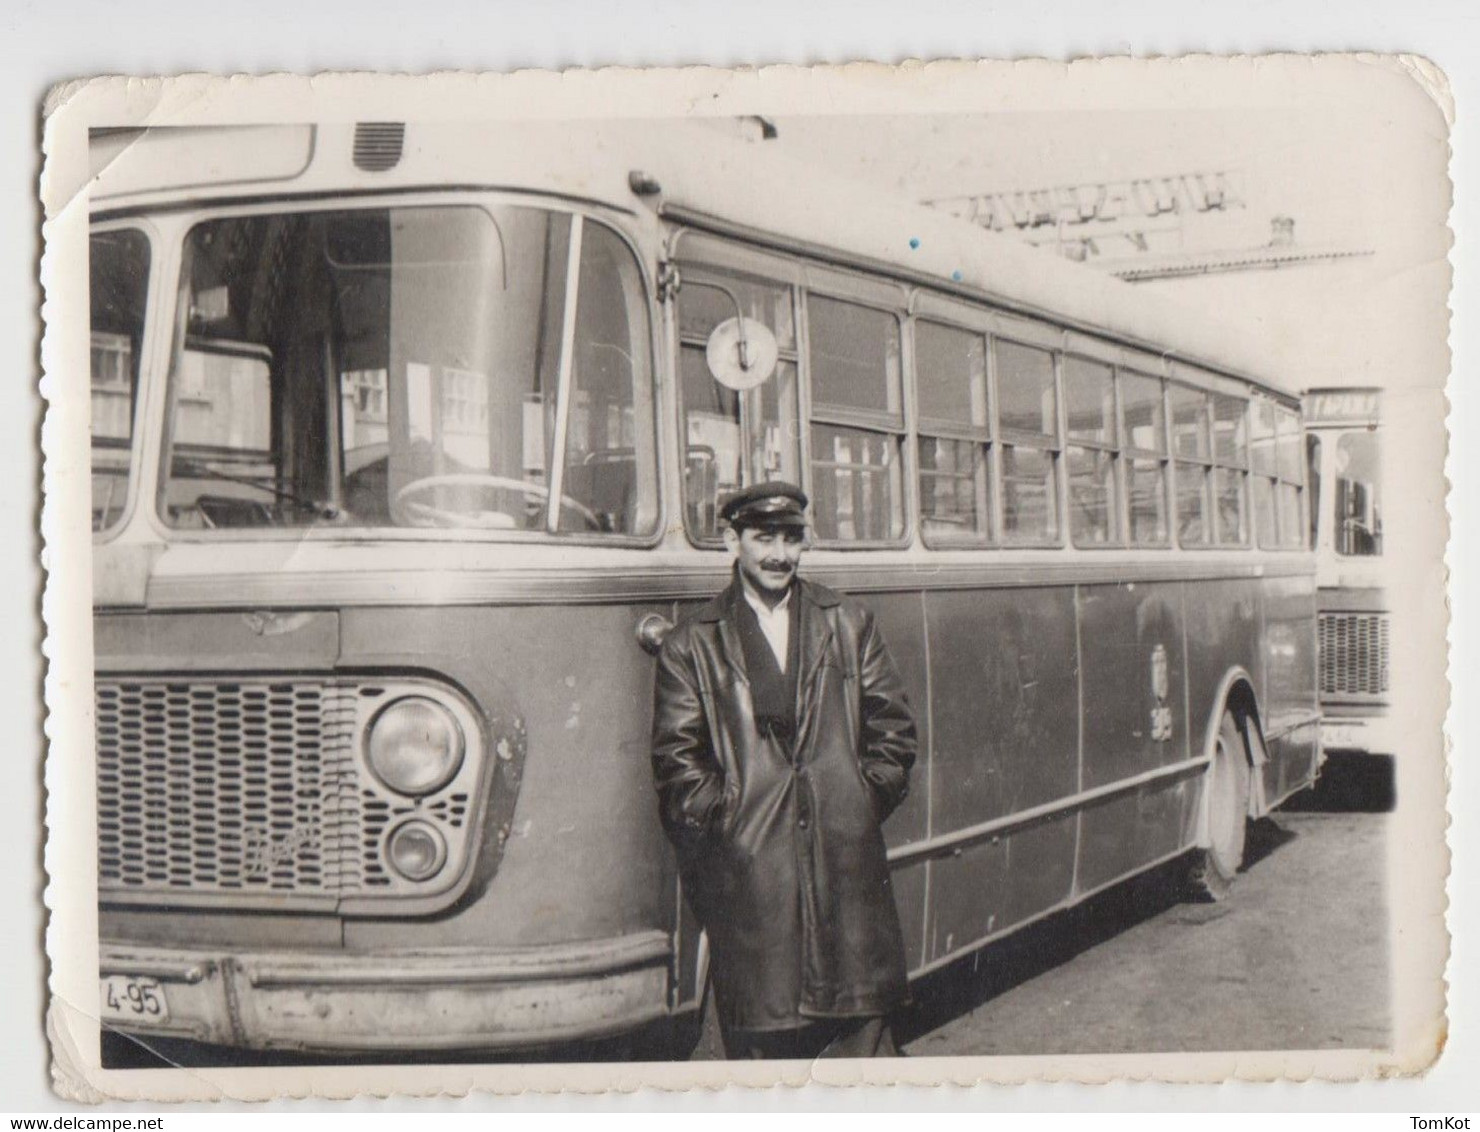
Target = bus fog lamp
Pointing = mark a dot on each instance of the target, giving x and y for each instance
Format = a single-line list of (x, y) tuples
[(415, 746), (417, 851)]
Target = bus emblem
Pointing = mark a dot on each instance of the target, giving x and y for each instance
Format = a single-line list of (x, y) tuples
[(264, 850)]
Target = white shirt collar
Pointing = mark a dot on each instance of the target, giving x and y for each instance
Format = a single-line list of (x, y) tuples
[(775, 623), (760, 606)]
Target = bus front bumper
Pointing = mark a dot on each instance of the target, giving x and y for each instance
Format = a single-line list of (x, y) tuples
[(428, 999), (1359, 730)]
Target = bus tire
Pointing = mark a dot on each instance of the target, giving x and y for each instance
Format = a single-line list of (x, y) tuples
[(1215, 866)]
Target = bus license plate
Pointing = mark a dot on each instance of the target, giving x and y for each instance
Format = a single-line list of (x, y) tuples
[(130, 998)]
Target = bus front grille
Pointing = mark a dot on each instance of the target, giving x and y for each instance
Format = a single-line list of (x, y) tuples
[(1354, 654), (247, 791)]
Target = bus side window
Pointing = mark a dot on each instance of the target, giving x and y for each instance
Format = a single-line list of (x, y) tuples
[(732, 438), (1279, 477), (955, 437), (1313, 478), (1027, 411), (1092, 452), (857, 426), (1193, 449), (1231, 469), (1289, 459), (1262, 451), (1143, 433)]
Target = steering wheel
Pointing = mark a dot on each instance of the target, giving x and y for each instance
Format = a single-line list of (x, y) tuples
[(439, 516)]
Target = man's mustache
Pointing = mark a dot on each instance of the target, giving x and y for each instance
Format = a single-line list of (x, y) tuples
[(771, 564)]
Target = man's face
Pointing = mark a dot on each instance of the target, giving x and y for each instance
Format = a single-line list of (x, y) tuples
[(767, 557)]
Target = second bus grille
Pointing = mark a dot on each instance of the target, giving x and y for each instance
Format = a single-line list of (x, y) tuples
[(1354, 654), (245, 788)]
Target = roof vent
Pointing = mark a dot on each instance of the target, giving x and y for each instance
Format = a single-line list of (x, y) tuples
[(378, 145)]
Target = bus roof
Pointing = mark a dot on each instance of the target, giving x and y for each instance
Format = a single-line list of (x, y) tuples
[(704, 176)]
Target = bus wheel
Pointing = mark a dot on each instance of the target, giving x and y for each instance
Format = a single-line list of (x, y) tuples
[(1214, 868)]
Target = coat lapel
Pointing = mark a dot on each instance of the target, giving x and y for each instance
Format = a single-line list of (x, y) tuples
[(817, 635), (729, 634), (813, 624)]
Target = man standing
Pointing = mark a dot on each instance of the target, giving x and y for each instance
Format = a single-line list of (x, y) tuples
[(782, 739)]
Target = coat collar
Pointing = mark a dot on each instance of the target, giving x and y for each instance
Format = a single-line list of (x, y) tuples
[(722, 605), (815, 629)]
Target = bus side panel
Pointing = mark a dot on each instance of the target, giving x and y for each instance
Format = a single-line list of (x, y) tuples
[(1002, 667), (966, 897), (1290, 695), (1130, 640), (1134, 704), (585, 857), (1222, 633), (1040, 869), (901, 620), (998, 883), (1124, 833)]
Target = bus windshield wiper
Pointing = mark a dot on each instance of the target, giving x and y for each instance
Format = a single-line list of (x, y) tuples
[(319, 508)]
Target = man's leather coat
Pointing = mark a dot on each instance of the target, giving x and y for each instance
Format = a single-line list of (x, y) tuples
[(778, 841)]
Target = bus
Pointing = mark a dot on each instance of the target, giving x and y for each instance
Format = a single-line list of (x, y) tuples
[(410, 440), (1345, 449)]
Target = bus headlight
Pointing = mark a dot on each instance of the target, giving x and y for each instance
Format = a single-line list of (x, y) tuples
[(416, 850), (414, 745)]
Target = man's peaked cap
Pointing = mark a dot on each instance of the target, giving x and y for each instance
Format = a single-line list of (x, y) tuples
[(775, 503)]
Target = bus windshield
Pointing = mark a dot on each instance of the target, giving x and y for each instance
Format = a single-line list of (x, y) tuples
[(1358, 495), (463, 367), (120, 279)]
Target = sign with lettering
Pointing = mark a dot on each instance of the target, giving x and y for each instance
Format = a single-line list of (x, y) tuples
[(1335, 406)]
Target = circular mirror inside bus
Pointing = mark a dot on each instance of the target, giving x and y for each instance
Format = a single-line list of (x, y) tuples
[(741, 353)]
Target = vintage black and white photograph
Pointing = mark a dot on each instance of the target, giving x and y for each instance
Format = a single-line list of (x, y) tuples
[(637, 569)]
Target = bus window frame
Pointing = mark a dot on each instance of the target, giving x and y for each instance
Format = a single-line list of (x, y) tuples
[(705, 269), (889, 298), (704, 254), (1282, 406), (1302, 486), (1032, 336), (1242, 470), (727, 259), (983, 437), (162, 258), (710, 252), (1315, 479), (1119, 534), (1164, 459), (1211, 387), (159, 453)]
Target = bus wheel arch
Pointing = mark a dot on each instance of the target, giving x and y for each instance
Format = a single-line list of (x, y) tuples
[(1231, 794)]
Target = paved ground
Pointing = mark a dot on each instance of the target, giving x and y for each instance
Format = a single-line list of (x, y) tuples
[(1295, 958)]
